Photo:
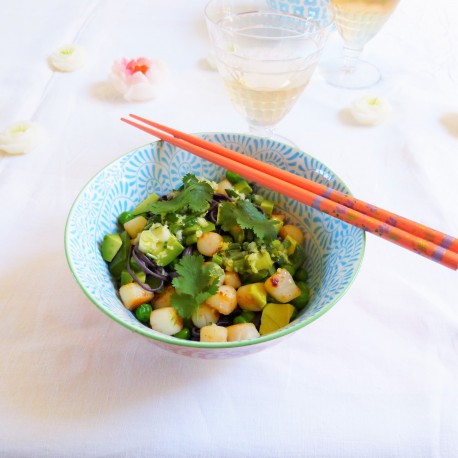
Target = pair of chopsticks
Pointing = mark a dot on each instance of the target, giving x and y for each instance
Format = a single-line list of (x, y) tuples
[(416, 237)]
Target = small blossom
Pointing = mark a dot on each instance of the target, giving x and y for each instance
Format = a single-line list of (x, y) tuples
[(370, 110), (138, 79), (68, 58), (20, 138)]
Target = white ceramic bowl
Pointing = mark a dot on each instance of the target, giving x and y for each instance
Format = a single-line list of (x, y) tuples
[(334, 249)]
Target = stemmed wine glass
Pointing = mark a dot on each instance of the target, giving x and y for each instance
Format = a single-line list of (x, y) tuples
[(357, 21), (266, 57)]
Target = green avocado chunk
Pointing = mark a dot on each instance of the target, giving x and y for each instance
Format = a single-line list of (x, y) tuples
[(118, 263), (110, 246), (144, 206)]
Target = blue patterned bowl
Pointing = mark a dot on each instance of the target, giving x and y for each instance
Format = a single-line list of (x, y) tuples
[(334, 249), (319, 11)]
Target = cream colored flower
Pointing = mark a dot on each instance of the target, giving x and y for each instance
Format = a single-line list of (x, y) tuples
[(138, 79), (68, 58), (370, 109), (20, 138)]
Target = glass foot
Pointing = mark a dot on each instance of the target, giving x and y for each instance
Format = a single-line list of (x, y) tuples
[(362, 76)]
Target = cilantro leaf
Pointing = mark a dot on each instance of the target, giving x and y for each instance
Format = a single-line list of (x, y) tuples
[(196, 195), (195, 283), (245, 214)]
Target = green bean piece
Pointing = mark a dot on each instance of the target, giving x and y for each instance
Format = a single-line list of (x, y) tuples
[(227, 238), (301, 274), (257, 199), (190, 239), (248, 315), (125, 216), (189, 230), (233, 177), (185, 334), (290, 268), (143, 312), (243, 187), (302, 300), (217, 259), (240, 319)]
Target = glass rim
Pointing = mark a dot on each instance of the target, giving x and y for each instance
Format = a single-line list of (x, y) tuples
[(301, 35)]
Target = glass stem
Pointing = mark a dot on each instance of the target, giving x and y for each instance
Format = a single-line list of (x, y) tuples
[(262, 131), (351, 59)]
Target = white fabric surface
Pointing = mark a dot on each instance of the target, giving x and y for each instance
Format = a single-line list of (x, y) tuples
[(377, 376)]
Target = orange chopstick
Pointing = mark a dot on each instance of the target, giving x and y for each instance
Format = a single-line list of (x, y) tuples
[(427, 233), (237, 163)]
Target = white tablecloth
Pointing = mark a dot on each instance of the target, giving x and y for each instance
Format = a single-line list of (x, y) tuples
[(377, 376)]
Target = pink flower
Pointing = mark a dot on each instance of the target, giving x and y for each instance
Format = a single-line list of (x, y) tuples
[(138, 79)]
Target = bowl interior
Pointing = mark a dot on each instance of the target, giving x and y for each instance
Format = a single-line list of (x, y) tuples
[(334, 249)]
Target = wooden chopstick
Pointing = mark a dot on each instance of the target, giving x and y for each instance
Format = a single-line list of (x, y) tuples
[(286, 183)]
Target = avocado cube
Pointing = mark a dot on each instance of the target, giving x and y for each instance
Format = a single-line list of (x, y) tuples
[(110, 246), (243, 187), (145, 205), (127, 278), (118, 263), (267, 207)]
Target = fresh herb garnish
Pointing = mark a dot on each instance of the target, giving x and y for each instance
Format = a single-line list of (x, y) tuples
[(196, 195), (245, 214), (194, 285)]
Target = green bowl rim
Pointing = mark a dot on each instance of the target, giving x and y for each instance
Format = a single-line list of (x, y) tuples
[(154, 335)]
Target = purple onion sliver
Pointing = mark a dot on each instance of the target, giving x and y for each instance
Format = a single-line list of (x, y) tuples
[(138, 254), (149, 266), (134, 276), (142, 264), (218, 197)]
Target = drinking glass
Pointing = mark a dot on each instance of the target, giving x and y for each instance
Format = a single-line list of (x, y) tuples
[(265, 57), (357, 21)]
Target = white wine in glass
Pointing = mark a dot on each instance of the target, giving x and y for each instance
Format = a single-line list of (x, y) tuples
[(357, 22), (265, 57)]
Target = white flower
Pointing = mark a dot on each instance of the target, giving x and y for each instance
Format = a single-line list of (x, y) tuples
[(68, 58), (20, 138), (138, 79), (370, 109)]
